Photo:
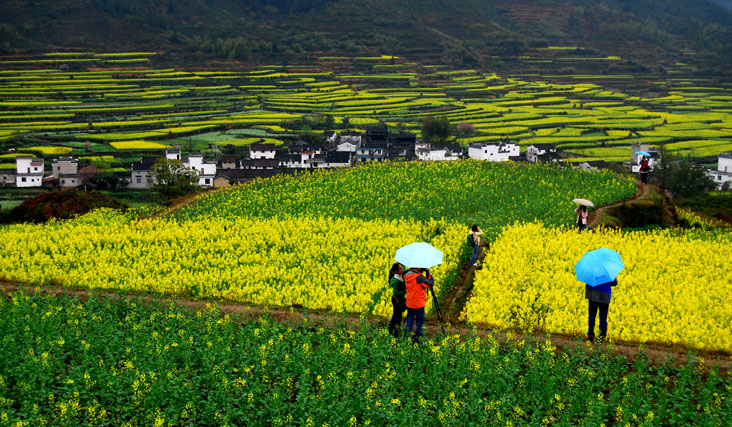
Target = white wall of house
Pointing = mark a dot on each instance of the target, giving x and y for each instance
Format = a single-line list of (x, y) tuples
[(206, 171), (140, 179), (493, 152), (266, 154), (28, 181), (337, 165), (173, 153), (347, 146), (436, 155), (533, 153), (725, 164), (723, 174), (29, 172), (64, 166), (196, 162), (71, 181)]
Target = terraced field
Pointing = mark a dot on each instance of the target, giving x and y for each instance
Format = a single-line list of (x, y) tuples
[(88, 104)]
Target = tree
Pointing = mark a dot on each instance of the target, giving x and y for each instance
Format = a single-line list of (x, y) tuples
[(465, 129), (106, 181), (61, 204), (664, 167), (436, 129), (173, 179), (88, 172), (690, 180)]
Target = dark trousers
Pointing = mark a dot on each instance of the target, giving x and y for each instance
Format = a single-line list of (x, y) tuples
[(644, 177), (415, 315), (398, 305), (592, 313), (476, 248)]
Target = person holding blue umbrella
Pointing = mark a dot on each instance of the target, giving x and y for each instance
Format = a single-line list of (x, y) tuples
[(599, 270)]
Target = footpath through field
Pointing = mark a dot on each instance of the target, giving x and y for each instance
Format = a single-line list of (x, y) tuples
[(657, 354), (642, 191)]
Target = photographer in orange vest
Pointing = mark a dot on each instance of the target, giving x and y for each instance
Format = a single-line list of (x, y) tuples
[(417, 286)]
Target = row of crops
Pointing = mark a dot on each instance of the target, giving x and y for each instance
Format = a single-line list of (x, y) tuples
[(325, 241), (129, 108), (129, 362)]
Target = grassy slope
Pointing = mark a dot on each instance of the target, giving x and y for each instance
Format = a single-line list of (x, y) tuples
[(459, 32)]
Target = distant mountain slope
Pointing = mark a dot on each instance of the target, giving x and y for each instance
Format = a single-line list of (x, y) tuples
[(724, 3), (459, 32)]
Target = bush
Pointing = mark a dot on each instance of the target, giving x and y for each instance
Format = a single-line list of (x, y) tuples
[(62, 204)]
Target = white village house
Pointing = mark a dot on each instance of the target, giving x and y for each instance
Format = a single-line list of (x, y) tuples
[(28, 171), (206, 170), (542, 152), (723, 174), (371, 152), (493, 152), (438, 154), (65, 172), (349, 142), (141, 177), (262, 151)]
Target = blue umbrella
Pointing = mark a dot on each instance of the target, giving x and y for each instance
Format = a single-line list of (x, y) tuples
[(599, 266), (418, 255), (643, 153)]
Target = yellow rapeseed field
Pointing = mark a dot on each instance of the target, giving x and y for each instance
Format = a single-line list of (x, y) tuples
[(675, 287), (337, 264)]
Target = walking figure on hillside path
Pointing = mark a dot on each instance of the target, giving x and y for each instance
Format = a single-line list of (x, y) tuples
[(644, 169), (474, 238), (582, 215)]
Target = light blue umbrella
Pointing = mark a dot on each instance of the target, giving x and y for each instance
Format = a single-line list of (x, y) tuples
[(643, 153), (599, 266), (418, 255)]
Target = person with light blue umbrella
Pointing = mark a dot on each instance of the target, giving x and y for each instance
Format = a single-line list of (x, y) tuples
[(599, 270), (420, 257)]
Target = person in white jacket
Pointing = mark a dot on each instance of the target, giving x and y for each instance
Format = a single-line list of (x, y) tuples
[(475, 232), (582, 215)]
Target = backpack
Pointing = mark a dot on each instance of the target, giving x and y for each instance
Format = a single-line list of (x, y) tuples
[(471, 241)]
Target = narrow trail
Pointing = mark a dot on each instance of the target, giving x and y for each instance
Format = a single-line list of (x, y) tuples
[(642, 191), (178, 204), (657, 353)]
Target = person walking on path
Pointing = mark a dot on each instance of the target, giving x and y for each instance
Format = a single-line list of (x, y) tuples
[(475, 233), (644, 169), (598, 298), (582, 215), (417, 286), (398, 298)]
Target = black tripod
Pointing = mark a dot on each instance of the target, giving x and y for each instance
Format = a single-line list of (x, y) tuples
[(437, 309)]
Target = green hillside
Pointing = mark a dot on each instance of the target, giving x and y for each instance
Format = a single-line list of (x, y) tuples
[(456, 32)]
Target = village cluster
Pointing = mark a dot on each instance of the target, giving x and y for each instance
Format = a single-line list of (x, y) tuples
[(339, 151)]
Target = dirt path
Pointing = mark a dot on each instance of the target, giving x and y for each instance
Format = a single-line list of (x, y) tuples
[(657, 353), (178, 204), (453, 302), (642, 191)]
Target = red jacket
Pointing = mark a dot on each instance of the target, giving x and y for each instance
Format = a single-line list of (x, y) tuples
[(417, 286)]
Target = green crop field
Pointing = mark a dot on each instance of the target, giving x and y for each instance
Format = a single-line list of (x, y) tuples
[(133, 363), (132, 101)]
